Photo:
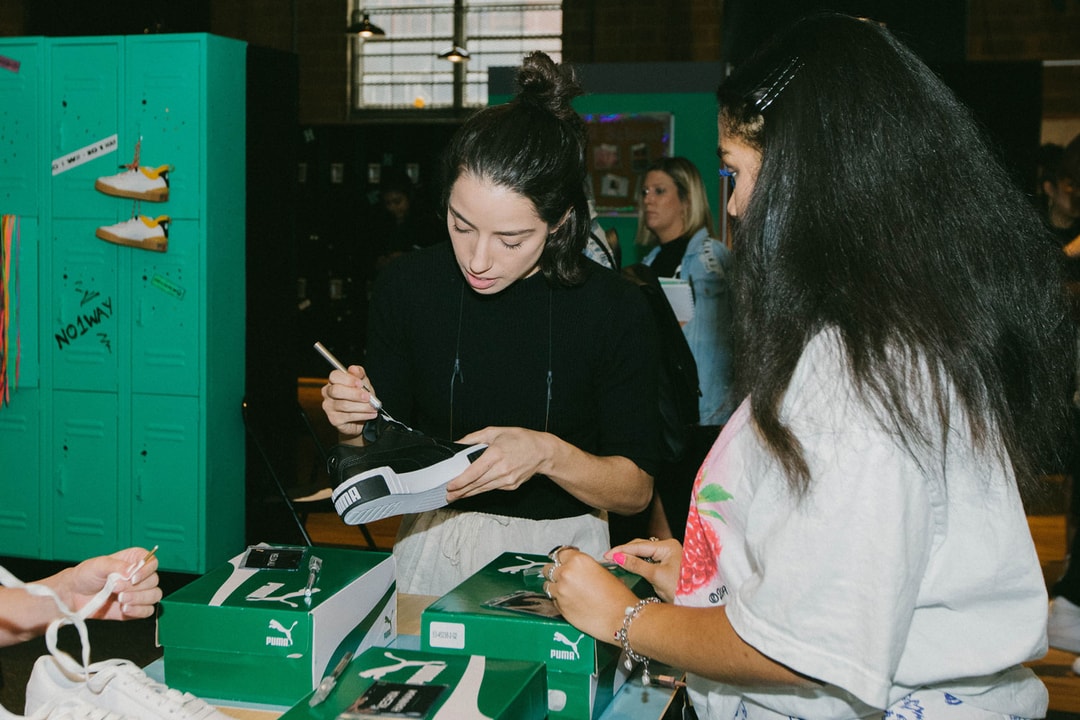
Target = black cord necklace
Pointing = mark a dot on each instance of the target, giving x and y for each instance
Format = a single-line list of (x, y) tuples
[(456, 376)]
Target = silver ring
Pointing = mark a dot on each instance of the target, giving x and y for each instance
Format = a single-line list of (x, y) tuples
[(547, 591), (554, 554), (551, 572), (654, 539)]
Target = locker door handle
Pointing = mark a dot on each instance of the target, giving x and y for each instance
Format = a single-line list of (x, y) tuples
[(138, 487), (61, 480)]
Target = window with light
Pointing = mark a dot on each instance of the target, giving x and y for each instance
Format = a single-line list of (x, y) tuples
[(402, 69)]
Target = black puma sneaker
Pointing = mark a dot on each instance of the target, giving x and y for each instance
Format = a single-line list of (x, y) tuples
[(399, 470)]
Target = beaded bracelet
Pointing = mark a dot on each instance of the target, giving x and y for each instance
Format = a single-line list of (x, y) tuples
[(623, 636)]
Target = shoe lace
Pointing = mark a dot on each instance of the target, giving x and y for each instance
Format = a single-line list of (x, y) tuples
[(69, 616), (134, 164), (164, 700)]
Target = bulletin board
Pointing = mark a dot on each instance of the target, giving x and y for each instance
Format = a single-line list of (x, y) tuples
[(621, 147)]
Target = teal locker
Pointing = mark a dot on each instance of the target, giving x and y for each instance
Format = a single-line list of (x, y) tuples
[(20, 447), (223, 182), (137, 357), (164, 501), (21, 123), (21, 171), (85, 438), (85, 341), (83, 108), (163, 106), (165, 329)]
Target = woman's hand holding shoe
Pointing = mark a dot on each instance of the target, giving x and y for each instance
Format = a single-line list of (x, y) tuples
[(513, 456)]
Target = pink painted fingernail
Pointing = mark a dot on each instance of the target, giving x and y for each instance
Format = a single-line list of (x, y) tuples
[(619, 558)]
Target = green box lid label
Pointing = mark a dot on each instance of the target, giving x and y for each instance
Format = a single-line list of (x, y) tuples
[(447, 635)]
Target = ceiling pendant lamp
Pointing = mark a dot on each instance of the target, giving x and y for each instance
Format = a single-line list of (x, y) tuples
[(456, 54), (361, 25)]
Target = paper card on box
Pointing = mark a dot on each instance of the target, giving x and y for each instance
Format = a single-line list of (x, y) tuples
[(466, 686)]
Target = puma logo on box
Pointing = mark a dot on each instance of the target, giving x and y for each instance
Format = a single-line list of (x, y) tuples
[(285, 641), (572, 653)]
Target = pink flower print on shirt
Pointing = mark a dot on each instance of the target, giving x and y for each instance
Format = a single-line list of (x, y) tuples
[(701, 546), (698, 562)]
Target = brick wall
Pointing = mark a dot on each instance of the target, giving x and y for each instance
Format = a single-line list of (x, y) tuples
[(1032, 30), (313, 29), (642, 30), (619, 31), (11, 19), (690, 30)]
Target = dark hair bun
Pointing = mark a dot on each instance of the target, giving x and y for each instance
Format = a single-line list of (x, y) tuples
[(547, 85)]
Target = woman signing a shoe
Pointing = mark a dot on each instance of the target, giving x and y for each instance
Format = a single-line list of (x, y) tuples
[(508, 336), (856, 545)]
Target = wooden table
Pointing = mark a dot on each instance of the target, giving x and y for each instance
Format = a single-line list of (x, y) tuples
[(1055, 670)]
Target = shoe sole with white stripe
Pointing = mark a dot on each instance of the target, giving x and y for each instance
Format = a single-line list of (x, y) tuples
[(382, 492)]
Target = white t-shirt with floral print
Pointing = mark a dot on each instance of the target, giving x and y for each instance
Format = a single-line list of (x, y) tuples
[(898, 576)]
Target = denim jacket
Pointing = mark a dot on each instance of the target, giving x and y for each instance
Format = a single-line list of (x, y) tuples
[(706, 265)]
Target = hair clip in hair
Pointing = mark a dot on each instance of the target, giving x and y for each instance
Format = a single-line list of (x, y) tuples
[(774, 84)]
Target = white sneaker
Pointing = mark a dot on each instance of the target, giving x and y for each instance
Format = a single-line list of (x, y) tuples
[(141, 183), (139, 232), (61, 688), (118, 686), (68, 708), (1063, 625)]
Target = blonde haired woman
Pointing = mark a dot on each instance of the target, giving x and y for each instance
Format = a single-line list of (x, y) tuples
[(675, 217)]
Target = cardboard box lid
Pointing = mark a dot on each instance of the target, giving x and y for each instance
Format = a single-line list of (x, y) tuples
[(226, 608), (460, 621), (229, 585)]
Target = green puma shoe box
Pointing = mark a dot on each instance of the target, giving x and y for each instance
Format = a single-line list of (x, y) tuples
[(573, 696), (584, 670), (246, 633), (420, 684)]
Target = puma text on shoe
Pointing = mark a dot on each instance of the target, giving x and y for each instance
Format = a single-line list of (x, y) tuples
[(141, 232), (140, 183), (400, 471)]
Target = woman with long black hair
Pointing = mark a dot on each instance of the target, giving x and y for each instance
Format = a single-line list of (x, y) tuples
[(857, 545)]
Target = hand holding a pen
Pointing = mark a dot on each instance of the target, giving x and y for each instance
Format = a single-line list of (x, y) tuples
[(347, 401)]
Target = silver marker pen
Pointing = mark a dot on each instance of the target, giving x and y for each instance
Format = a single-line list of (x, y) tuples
[(375, 402)]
